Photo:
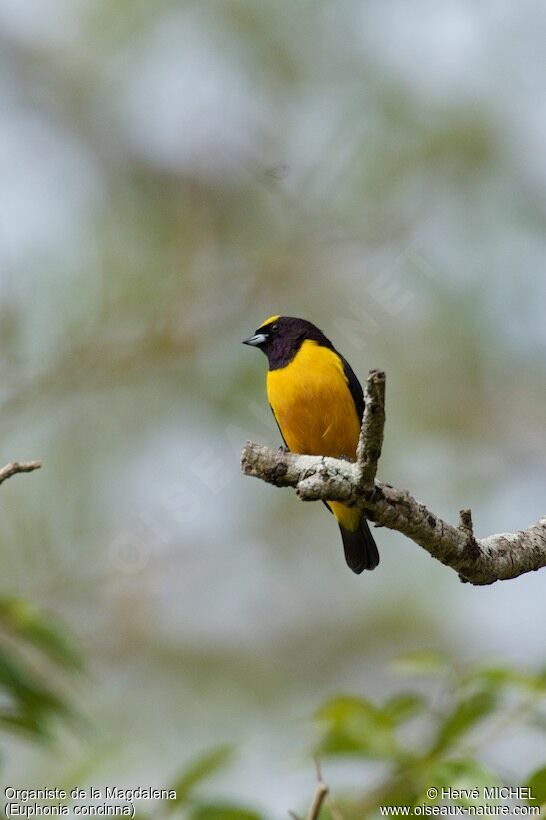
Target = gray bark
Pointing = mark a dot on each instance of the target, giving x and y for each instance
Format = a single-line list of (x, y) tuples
[(477, 560)]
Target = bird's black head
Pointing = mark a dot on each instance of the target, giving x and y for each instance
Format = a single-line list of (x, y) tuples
[(280, 338)]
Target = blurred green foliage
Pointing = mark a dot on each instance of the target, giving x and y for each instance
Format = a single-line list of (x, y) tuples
[(189, 803), (36, 661), (455, 718), (465, 711)]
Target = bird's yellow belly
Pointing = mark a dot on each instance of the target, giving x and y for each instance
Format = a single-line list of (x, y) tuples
[(313, 405)]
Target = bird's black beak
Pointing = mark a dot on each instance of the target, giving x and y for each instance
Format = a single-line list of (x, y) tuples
[(256, 339)]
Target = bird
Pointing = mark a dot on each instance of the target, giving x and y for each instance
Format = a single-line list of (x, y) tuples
[(318, 404)]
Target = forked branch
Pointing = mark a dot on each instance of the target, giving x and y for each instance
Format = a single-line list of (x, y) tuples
[(321, 794), (477, 560)]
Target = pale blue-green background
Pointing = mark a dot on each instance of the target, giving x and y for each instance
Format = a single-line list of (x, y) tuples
[(171, 173)]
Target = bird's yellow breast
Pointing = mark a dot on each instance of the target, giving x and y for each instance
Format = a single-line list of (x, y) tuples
[(313, 405)]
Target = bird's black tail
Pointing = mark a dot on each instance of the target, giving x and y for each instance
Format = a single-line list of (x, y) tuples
[(360, 548)]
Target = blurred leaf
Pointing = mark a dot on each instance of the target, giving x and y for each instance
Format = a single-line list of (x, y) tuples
[(403, 707), (203, 767), (223, 812), (537, 784), (499, 677), (26, 622), (357, 726), (31, 705), (398, 792), (25, 688), (465, 775), (30, 701), (467, 713), (423, 662), (25, 723)]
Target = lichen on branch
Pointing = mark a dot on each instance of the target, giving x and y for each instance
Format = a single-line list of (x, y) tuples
[(477, 560)]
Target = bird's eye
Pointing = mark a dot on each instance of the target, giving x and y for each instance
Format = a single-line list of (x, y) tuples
[(274, 327)]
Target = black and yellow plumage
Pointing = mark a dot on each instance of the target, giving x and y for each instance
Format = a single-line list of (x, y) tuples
[(318, 404)]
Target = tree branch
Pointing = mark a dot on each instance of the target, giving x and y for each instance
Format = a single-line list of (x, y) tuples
[(479, 561), (15, 467), (371, 435), (320, 795)]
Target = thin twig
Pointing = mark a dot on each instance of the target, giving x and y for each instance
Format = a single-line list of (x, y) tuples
[(320, 795), (333, 809), (373, 423), (15, 467)]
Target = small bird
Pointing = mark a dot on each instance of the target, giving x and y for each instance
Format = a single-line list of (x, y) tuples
[(318, 405)]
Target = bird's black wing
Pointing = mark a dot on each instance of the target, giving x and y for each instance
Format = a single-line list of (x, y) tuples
[(360, 548), (356, 390), (279, 426), (354, 386)]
